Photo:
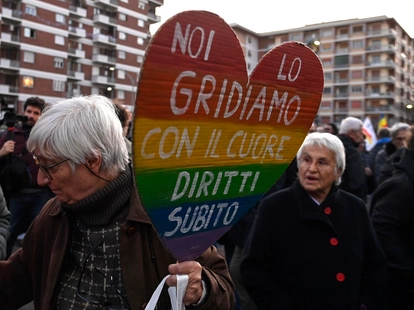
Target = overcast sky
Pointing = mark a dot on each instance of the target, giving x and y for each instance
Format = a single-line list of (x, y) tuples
[(273, 15)]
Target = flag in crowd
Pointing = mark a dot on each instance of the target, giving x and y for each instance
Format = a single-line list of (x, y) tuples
[(369, 132), (382, 122)]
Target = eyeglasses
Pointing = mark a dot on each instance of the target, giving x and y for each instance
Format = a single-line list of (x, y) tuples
[(92, 299), (45, 169), (320, 164)]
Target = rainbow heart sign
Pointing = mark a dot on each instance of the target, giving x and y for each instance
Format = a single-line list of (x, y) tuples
[(209, 140)]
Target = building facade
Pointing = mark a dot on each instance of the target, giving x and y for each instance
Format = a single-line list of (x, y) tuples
[(368, 66), (62, 48)]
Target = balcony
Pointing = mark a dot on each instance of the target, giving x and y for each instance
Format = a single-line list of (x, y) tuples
[(111, 5), (10, 38), (341, 95), (105, 80), (104, 59), (382, 33), (380, 79), (12, 16), (76, 53), (380, 64), (390, 48), (9, 64), (75, 75), (76, 32), (379, 95), (77, 12), (104, 39), (105, 20), (7, 89)]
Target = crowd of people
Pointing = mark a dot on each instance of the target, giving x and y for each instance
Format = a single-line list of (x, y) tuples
[(336, 231)]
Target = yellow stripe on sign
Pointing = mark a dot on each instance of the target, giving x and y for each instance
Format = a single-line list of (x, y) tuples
[(162, 144)]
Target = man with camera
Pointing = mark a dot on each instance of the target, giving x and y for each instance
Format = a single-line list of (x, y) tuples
[(26, 199)]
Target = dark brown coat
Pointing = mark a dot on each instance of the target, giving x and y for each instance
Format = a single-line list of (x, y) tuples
[(34, 270)]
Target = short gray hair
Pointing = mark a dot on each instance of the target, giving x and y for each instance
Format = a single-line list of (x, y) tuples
[(350, 123), (397, 127), (81, 128), (332, 143)]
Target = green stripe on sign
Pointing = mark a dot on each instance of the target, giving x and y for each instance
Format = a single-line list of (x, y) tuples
[(173, 187)]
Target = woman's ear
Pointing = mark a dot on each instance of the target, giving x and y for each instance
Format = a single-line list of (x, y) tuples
[(94, 163)]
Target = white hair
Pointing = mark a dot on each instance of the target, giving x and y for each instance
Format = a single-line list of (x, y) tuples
[(350, 123), (81, 128), (332, 143)]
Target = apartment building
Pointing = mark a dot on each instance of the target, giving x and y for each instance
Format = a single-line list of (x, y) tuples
[(368, 66), (62, 48)]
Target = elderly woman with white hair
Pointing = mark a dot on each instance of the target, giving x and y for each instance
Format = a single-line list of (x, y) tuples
[(312, 246)]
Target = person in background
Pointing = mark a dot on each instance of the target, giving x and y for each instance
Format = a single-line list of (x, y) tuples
[(312, 246), (392, 214), (354, 178), (390, 154), (331, 128), (4, 225), (383, 138), (93, 245), (125, 116), (25, 202)]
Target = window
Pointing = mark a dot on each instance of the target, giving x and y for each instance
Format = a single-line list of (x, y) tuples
[(328, 75), (296, 37), (326, 33), (60, 18), (121, 94), (59, 40), (121, 74), (58, 62), (325, 104), (121, 55), (122, 35), (122, 17), (357, 44), (357, 29), (141, 23), (141, 5), (376, 59), (356, 89), (140, 59), (356, 104), (29, 57), (327, 90), (327, 61), (355, 75), (58, 85), (30, 10), (29, 33), (140, 41), (28, 81), (357, 59)]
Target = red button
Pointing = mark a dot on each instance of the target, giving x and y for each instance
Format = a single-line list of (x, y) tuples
[(327, 210), (334, 241), (340, 277)]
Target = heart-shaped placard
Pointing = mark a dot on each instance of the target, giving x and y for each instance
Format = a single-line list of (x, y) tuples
[(208, 142)]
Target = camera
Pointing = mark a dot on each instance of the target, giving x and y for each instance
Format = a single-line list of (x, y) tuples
[(10, 118)]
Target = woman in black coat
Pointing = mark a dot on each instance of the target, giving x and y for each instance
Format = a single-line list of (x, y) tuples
[(312, 246)]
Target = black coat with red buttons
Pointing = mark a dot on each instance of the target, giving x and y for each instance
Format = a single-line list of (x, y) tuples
[(301, 255)]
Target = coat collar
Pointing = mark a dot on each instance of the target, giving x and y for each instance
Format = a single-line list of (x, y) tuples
[(136, 211), (308, 208)]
